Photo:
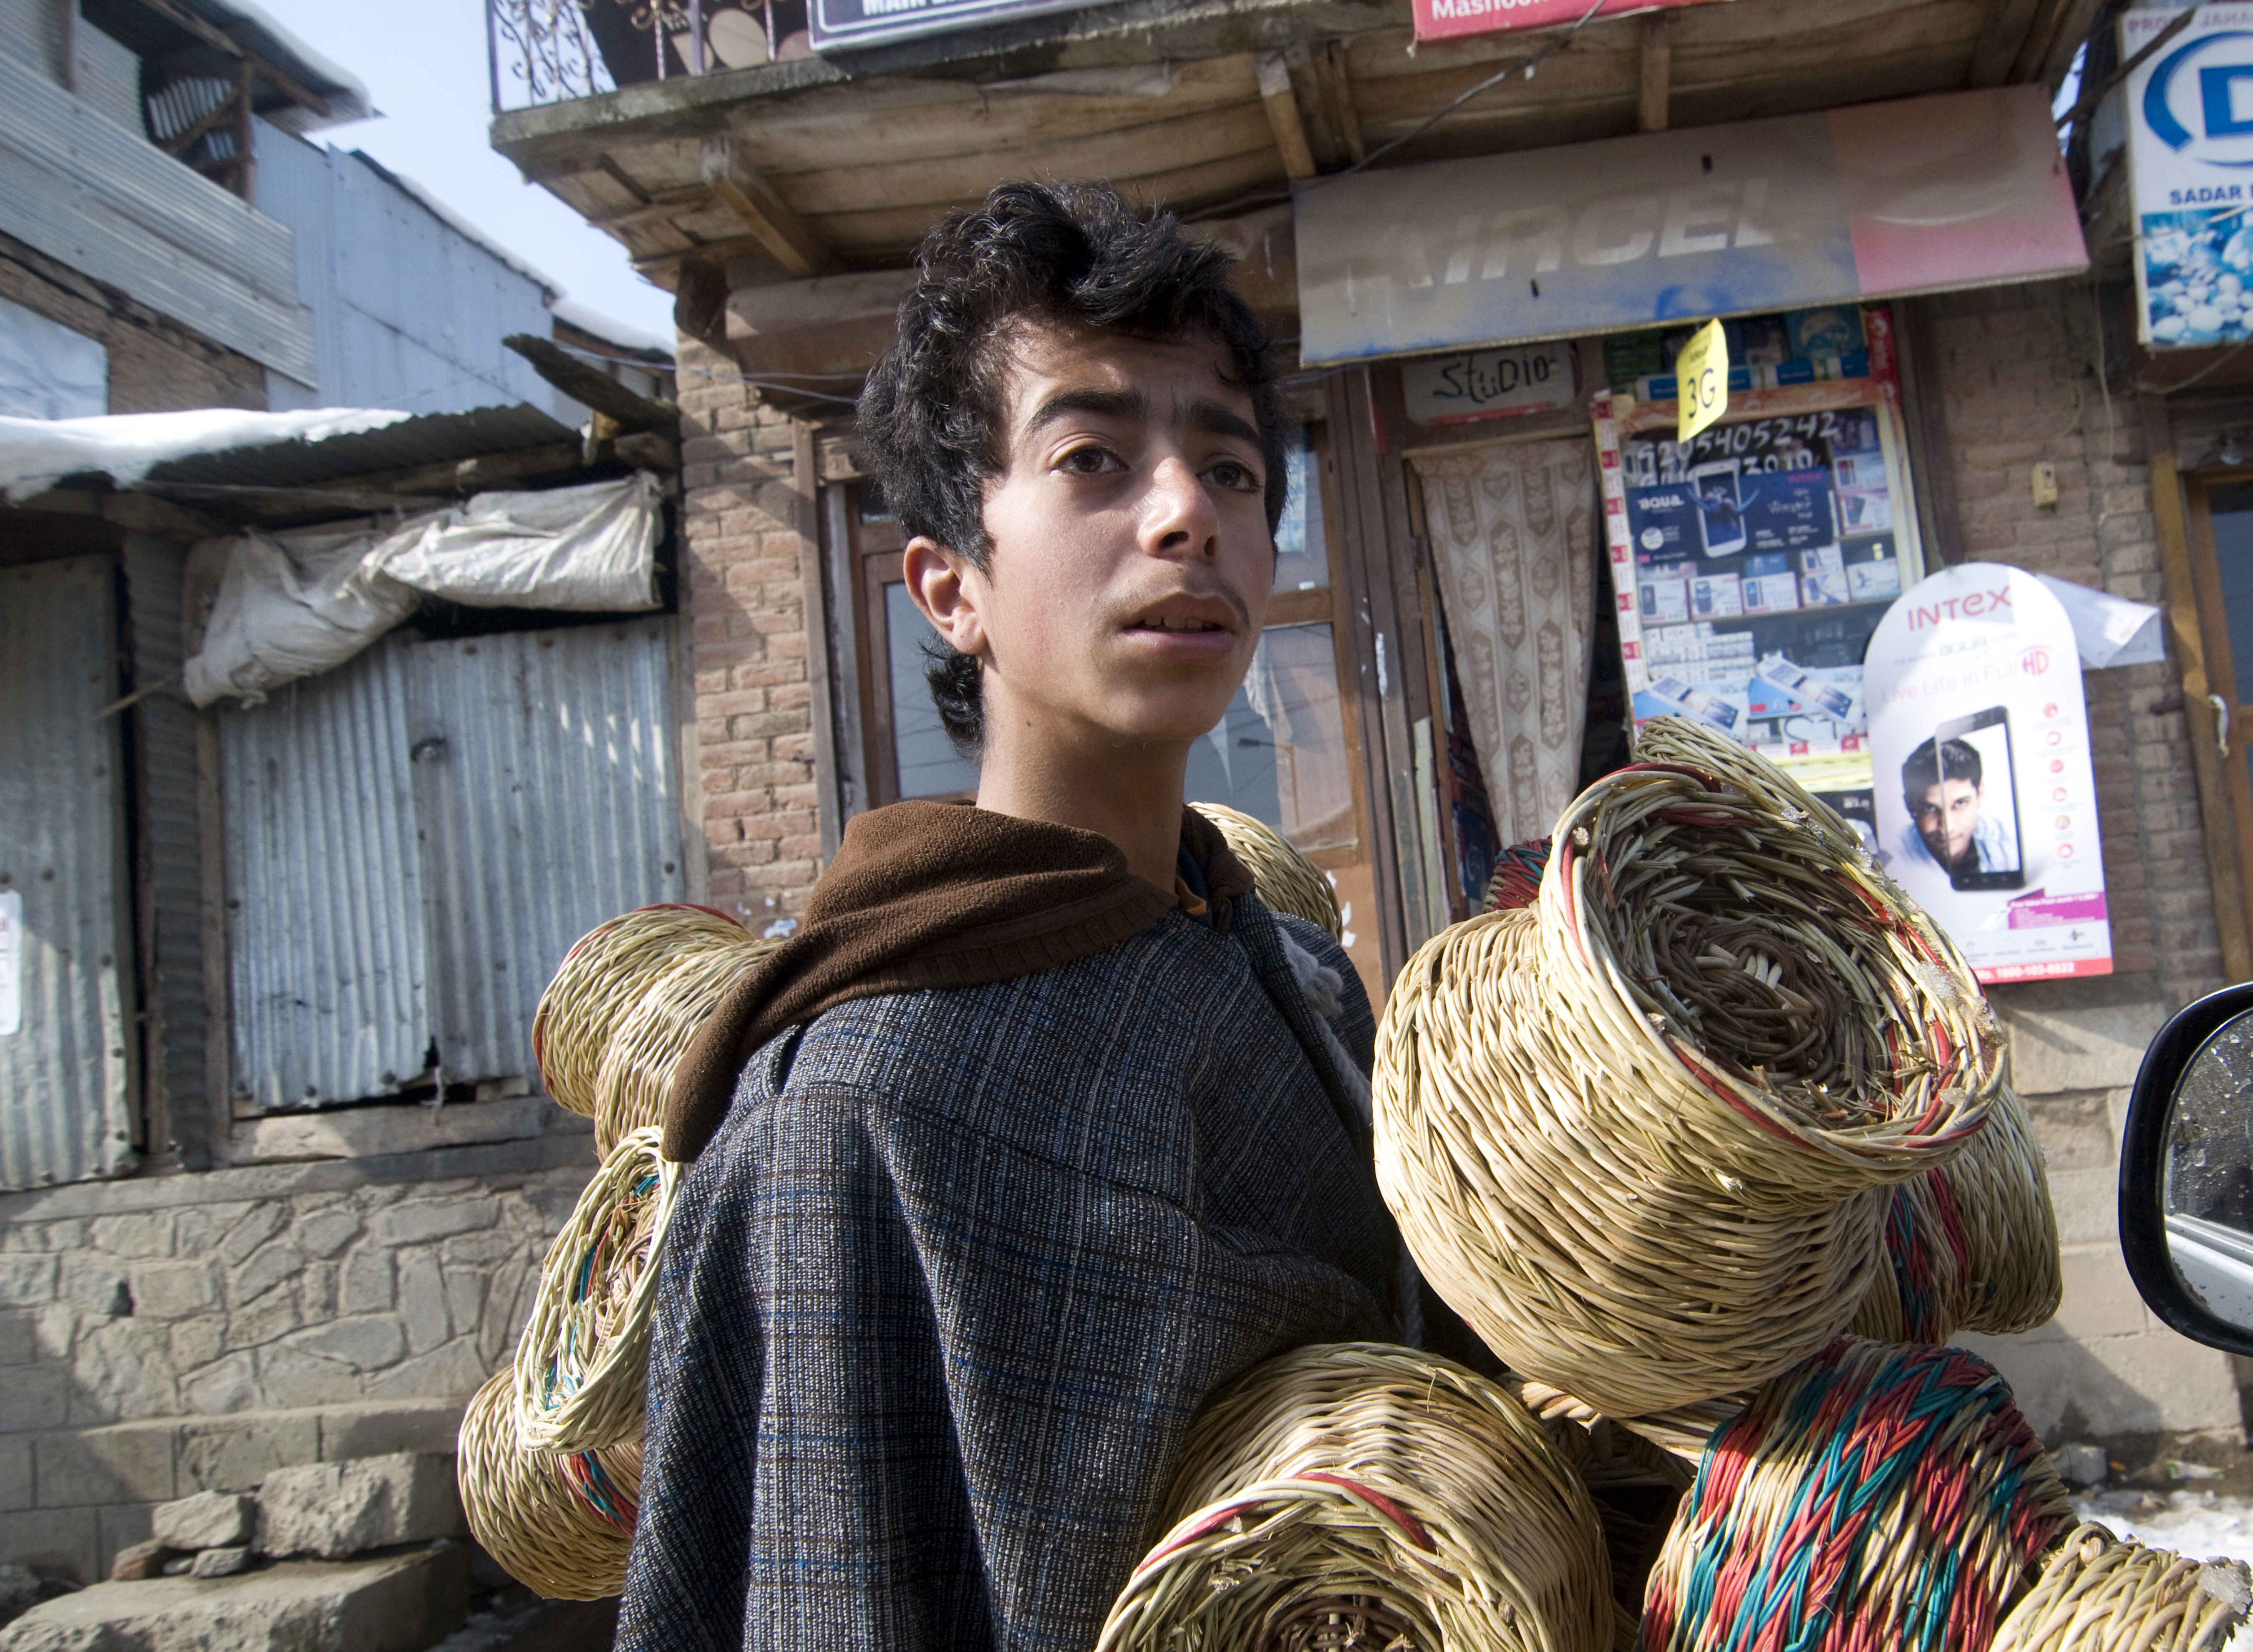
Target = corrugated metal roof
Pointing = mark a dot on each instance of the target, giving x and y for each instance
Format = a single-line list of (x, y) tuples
[(63, 1074), (435, 438), (545, 791)]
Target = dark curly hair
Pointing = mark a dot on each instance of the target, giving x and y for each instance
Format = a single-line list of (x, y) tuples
[(1067, 254)]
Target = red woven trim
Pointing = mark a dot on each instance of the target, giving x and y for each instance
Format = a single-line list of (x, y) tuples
[(1384, 1505)]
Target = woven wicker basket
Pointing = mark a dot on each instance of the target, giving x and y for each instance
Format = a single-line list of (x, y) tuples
[(583, 1363), (1970, 1244), (1682, 1433), (561, 1525), (600, 982), (2098, 1594), (1284, 879), (1877, 1496), (1361, 1491), (1640, 1135)]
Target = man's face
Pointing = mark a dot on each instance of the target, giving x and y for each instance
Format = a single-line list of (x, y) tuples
[(1945, 817), (1130, 562)]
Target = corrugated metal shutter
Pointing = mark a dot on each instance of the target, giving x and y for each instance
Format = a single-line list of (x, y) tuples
[(415, 840), (66, 1075), (324, 901), (169, 845), (544, 784)]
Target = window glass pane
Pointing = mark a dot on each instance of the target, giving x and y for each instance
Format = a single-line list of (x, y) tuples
[(1302, 560), (928, 767), (1279, 753)]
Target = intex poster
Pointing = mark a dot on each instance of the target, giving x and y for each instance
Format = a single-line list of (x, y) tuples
[(1985, 800)]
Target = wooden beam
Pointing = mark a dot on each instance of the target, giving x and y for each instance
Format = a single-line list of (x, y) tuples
[(731, 176), (218, 38), (588, 384), (832, 327), (2000, 43), (1283, 115), (1657, 67), (1341, 83)]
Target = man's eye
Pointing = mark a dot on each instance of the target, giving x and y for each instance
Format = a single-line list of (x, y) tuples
[(1237, 477), (1088, 462)]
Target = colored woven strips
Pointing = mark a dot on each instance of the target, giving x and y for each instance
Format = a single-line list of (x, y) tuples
[(583, 1363), (2099, 1594), (1972, 1244), (1284, 880), (1643, 1134), (1362, 1495), (1516, 880), (1876, 1497)]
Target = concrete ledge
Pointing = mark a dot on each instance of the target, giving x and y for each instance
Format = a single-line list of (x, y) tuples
[(375, 1132), (387, 1603), (253, 1183)]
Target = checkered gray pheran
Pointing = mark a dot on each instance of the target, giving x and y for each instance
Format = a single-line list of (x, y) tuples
[(940, 1299)]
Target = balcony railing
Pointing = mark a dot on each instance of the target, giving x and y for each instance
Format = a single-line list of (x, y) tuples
[(550, 51)]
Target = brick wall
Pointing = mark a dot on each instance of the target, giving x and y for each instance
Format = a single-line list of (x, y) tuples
[(2018, 380), (156, 364), (743, 593)]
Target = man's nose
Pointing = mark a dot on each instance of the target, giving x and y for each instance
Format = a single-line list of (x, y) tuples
[(1178, 513)]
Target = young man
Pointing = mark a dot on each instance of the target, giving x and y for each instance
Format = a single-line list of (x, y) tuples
[(1042, 1127)]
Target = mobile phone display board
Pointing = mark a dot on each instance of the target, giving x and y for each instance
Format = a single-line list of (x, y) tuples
[(1984, 797), (1751, 564)]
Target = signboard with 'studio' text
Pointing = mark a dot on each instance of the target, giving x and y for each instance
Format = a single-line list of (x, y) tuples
[(1986, 797)]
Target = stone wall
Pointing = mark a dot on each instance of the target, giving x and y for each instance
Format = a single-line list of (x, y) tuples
[(156, 364), (746, 603), (190, 1333), (2020, 380)]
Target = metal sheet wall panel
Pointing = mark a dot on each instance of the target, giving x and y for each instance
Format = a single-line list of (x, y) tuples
[(408, 312), (168, 847), (550, 802), (85, 190), (65, 1076), (327, 962)]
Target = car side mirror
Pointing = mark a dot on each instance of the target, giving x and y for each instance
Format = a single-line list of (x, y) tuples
[(2186, 1172)]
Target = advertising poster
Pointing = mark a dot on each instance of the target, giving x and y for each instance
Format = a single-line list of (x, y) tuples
[(1764, 552), (1984, 799), (2189, 110)]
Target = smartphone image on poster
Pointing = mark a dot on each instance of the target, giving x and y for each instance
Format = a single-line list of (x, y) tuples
[(1720, 507), (1708, 708), (1962, 790)]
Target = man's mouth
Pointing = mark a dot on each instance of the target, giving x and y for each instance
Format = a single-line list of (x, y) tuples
[(1175, 625)]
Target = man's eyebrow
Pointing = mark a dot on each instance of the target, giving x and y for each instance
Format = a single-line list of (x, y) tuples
[(1213, 419), (1108, 404)]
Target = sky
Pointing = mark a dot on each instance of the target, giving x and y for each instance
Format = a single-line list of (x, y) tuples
[(424, 63)]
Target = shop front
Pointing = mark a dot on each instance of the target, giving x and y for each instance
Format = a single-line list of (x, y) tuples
[(1498, 556)]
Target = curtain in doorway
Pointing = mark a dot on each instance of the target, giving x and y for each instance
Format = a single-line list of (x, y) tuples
[(1513, 525)]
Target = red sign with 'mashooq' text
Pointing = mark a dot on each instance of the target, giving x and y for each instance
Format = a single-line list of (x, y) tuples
[(1449, 19)]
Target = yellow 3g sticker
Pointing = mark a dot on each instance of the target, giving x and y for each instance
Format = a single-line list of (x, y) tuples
[(1701, 373)]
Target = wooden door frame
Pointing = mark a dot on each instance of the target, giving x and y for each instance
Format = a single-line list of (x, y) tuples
[(2200, 629)]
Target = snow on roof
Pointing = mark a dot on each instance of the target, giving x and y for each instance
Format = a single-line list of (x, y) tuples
[(572, 313), (349, 102), (35, 454), (460, 225)]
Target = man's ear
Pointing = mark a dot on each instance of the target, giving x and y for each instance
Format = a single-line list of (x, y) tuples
[(945, 589)]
